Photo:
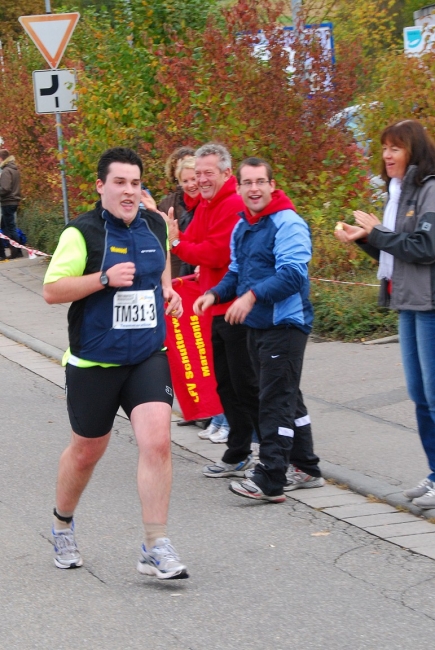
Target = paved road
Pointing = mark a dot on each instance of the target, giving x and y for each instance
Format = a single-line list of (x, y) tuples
[(263, 576)]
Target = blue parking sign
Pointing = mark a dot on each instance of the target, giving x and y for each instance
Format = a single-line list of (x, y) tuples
[(413, 39)]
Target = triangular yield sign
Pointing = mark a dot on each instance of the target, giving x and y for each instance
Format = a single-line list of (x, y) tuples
[(50, 33)]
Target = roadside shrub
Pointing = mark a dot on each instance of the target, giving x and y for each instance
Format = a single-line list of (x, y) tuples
[(349, 313), (42, 222)]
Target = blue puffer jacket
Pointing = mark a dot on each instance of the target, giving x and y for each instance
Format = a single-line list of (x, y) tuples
[(271, 258)]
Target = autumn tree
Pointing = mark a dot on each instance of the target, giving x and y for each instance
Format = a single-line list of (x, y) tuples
[(404, 90), (154, 74), (117, 56), (223, 87), (11, 10), (30, 137)]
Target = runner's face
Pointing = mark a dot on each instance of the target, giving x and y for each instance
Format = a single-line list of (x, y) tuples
[(120, 194), (257, 194), (209, 177), (189, 183)]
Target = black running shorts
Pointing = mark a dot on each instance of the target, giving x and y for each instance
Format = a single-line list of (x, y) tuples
[(95, 394)]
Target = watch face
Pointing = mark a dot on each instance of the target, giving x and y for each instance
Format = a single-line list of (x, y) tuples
[(104, 279)]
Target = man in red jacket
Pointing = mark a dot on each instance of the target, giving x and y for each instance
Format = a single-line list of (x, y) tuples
[(206, 242)]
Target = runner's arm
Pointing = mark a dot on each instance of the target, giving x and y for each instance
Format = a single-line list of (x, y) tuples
[(72, 289), (64, 280)]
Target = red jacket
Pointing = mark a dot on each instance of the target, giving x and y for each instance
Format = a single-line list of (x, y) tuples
[(206, 241)]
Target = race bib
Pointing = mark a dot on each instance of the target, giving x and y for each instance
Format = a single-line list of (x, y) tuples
[(134, 310)]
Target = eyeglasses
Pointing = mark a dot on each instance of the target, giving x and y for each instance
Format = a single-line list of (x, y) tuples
[(260, 183)]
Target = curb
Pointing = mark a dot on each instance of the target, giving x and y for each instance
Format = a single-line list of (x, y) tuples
[(31, 342), (386, 339), (372, 487)]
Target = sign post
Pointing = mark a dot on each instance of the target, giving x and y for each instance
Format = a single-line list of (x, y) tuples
[(53, 89)]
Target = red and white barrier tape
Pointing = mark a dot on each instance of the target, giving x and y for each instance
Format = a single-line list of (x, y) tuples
[(33, 253), (358, 284)]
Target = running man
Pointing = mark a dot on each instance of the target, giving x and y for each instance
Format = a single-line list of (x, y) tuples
[(112, 264)]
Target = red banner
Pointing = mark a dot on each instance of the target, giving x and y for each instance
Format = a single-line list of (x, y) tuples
[(190, 355)]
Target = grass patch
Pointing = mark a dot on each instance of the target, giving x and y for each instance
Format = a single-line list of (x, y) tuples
[(373, 499), (350, 312)]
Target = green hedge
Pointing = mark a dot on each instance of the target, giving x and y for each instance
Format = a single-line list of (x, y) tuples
[(42, 223), (350, 312)]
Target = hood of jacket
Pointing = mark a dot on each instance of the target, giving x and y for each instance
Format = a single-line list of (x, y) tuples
[(9, 162), (227, 189), (280, 201)]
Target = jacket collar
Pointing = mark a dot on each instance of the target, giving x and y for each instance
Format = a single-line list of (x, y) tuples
[(227, 189), (7, 161), (108, 216), (279, 202), (409, 178)]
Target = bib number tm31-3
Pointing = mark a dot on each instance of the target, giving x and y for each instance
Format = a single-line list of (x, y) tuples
[(134, 310)]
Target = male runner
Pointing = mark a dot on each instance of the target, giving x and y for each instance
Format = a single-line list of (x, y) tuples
[(111, 263)]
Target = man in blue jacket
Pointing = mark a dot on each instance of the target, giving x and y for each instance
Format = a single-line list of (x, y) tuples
[(270, 252)]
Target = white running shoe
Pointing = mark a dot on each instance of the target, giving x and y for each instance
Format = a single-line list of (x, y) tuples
[(427, 501), (226, 469), (296, 479), (206, 433), (161, 561), (419, 490), (220, 436), (66, 553), (250, 490)]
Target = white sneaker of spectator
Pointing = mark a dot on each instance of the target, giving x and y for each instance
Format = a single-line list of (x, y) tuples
[(206, 433), (220, 436)]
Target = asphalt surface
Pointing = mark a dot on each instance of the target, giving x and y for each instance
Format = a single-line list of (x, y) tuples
[(262, 576)]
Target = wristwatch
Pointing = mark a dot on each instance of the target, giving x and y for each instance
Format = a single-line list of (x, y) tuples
[(104, 279), (175, 243)]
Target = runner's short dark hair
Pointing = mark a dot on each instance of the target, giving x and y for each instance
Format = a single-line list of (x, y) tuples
[(117, 154)]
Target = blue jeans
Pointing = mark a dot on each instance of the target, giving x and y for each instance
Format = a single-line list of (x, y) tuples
[(8, 225), (220, 421), (417, 342)]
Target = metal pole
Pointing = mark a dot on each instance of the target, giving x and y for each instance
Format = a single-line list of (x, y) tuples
[(2, 59), (62, 168), (60, 148), (296, 7)]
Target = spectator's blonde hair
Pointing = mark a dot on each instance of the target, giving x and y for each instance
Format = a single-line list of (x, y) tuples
[(184, 163)]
